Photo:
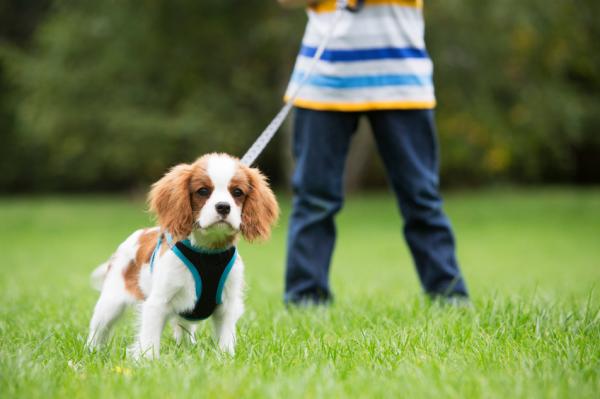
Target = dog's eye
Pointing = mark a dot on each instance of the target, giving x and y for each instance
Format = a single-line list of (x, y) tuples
[(236, 192), (203, 192)]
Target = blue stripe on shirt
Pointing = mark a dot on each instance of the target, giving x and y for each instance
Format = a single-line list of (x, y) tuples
[(365, 54), (358, 81)]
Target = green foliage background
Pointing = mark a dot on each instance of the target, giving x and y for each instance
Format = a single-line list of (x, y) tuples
[(107, 94)]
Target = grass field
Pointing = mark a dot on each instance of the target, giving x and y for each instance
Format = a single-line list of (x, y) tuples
[(531, 259)]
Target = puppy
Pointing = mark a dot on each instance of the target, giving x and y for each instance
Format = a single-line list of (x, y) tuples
[(187, 268)]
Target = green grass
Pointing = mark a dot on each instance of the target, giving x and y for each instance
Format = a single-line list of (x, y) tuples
[(531, 259)]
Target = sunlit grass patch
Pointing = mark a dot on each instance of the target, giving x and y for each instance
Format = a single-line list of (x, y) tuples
[(531, 260)]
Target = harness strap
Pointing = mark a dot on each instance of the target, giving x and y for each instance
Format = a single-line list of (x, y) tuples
[(224, 276), (191, 268), (155, 252)]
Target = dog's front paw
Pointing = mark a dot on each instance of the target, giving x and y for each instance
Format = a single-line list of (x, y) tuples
[(134, 352), (92, 346), (137, 353), (227, 345)]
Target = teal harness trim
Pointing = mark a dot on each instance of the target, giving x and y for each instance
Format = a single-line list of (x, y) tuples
[(190, 266)]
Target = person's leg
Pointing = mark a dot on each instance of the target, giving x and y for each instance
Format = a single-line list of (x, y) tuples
[(320, 146), (407, 142)]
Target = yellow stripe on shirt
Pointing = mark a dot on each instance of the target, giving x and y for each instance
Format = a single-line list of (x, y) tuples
[(330, 5), (363, 106)]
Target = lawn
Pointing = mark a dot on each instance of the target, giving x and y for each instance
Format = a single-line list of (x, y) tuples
[(531, 259)]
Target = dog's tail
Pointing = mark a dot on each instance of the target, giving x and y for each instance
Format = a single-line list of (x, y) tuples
[(99, 274)]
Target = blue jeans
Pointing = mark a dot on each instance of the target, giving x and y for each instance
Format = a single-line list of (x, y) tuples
[(406, 141)]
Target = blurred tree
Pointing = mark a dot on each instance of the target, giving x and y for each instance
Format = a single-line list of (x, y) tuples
[(18, 20), (116, 91), (108, 94), (519, 89)]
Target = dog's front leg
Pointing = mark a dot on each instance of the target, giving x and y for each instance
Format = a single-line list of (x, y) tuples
[(228, 313), (224, 320), (154, 316)]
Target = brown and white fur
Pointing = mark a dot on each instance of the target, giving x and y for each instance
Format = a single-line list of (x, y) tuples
[(211, 201)]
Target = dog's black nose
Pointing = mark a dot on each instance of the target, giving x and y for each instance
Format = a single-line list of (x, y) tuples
[(223, 208)]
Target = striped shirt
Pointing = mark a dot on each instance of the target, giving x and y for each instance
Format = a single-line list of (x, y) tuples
[(375, 60)]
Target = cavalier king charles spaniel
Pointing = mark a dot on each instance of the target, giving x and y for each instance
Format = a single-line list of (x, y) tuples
[(187, 268)]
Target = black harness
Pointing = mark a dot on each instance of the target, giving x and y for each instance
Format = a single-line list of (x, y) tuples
[(210, 269)]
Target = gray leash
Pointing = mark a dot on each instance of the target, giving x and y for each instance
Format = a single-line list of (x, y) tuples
[(265, 137)]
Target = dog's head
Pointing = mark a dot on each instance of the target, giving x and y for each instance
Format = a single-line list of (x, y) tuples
[(216, 197)]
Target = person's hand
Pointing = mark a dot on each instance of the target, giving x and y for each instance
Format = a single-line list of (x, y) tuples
[(351, 5), (297, 3)]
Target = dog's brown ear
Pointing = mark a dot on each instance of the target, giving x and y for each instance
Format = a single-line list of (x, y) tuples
[(169, 200), (260, 211)]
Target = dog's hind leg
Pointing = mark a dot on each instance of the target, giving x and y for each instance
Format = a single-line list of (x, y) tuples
[(113, 300), (108, 309)]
